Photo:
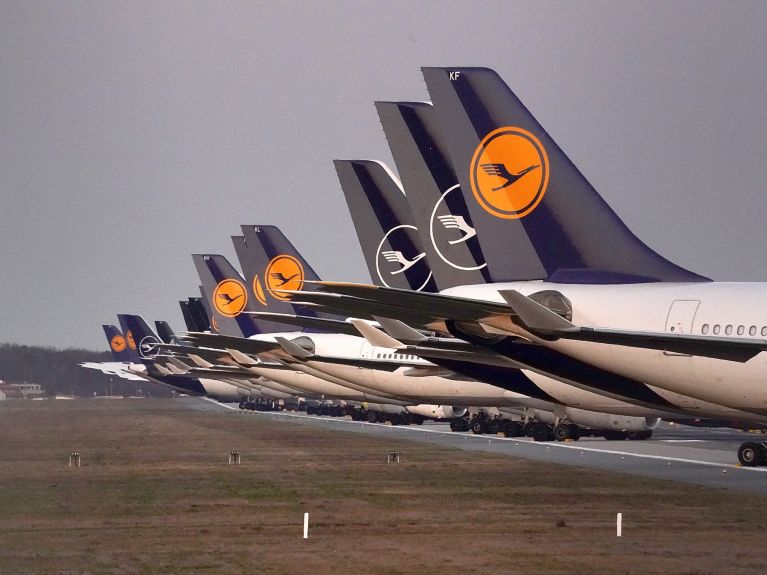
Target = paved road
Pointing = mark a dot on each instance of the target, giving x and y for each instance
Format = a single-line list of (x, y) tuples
[(678, 453)]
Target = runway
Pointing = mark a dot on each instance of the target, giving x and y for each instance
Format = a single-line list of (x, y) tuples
[(677, 453)]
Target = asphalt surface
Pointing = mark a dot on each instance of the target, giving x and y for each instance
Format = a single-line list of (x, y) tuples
[(678, 453)]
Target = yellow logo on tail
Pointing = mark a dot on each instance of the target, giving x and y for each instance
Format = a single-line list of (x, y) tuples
[(117, 343), (230, 297), (284, 273), (509, 173), (258, 290)]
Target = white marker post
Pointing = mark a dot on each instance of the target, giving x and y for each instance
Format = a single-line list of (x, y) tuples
[(619, 524), (306, 526)]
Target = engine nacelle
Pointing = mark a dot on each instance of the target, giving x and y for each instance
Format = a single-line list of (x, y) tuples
[(610, 422), (438, 411)]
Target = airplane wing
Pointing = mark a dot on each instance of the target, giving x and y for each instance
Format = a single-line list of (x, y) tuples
[(224, 342), (330, 325)]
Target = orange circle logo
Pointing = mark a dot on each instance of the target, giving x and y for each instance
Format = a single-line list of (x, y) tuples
[(509, 173), (117, 343), (258, 290), (214, 324), (284, 273), (230, 297), (130, 340)]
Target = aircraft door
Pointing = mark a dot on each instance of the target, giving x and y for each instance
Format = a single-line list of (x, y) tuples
[(681, 315), (680, 318)]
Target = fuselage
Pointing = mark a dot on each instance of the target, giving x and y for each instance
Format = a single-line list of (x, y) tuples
[(735, 310)]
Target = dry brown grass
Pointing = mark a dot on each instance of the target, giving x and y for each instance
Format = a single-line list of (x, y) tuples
[(155, 495)]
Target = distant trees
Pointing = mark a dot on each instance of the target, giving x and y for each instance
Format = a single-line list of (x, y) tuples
[(58, 371)]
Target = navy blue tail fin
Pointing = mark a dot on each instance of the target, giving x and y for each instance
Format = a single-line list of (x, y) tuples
[(279, 266), (227, 295), (117, 344), (385, 226), (189, 319), (438, 206), (201, 306), (144, 338), (165, 332), (536, 215)]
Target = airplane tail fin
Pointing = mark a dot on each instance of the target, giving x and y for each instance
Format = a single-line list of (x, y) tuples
[(186, 313), (143, 338), (536, 215), (201, 309), (118, 344), (437, 204), (274, 264), (165, 332), (385, 225), (226, 295)]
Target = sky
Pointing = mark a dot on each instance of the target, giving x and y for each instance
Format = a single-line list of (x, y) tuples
[(133, 134)]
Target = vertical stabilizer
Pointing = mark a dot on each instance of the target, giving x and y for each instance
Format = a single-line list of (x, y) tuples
[(385, 225), (536, 215)]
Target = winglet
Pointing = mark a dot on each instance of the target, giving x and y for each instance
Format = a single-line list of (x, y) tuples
[(199, 361), (292, 349), (241, 358), (178, 363), (375, 336), (535, 316), (400, 330)]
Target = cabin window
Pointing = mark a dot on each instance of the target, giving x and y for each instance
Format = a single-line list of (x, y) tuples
[(378, 355), (752, 330), (728, 329), (716, 329), (764, 331), (741, 329), (704, 329)]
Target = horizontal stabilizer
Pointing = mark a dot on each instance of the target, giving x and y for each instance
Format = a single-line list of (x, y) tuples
[(241, 358), (400, 330), (292, 349), (375, 336), (317, 323)]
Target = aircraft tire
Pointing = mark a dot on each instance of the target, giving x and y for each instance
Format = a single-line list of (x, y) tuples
[(752, 454)]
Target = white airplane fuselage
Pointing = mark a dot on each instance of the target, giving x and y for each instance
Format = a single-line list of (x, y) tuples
[(735, 310)]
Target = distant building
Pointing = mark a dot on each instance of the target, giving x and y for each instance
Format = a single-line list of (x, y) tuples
[(21, 390), (2, 396)]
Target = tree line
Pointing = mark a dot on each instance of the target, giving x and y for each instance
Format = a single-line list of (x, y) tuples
[(58, 371)]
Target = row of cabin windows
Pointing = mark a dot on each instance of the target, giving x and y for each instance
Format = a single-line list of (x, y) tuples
[(394, 356), (728, 329)]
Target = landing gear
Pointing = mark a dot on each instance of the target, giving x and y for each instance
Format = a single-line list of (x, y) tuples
[(539, 431), (752, 454), (459, 424), (511, 428), (564, 431), (640, 435), (615, 435), (479, 425)]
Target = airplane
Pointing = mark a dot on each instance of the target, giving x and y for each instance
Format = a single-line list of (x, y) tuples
[(631, 312)]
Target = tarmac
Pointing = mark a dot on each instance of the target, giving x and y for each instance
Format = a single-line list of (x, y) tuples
[(701, 456)]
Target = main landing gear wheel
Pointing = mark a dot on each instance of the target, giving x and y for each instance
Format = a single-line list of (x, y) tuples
[(540, 432), (752, 454), (511, 429), (565, 431)]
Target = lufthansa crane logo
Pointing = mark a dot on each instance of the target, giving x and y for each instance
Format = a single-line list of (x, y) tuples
[(117, 343), (148, 347), (130, 340), (395, 263), (230, 298), (284, 273), (509, 173), (258, 290)]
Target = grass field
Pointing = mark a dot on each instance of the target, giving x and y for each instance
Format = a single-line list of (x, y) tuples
[(155, 495)]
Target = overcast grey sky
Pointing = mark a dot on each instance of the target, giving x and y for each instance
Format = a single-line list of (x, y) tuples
[(136, 133)]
